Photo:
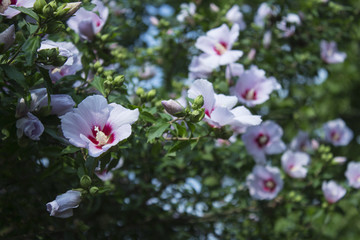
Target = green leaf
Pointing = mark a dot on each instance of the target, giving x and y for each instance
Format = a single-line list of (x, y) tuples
[(30, 48), (157, 130), (70, 149), (147, 117), (98, 83), (28, 12), (15, 75)]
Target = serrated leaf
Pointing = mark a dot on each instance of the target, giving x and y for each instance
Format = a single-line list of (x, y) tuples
[(30, 48), (147, 117), (28, 12), (157, 130)]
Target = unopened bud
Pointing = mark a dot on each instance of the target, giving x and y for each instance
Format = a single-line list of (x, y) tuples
[(173, 107), (39, 5), (198, 102), (97, 65), (197, 115), (119, 80), (67, 10), (151, 94), (94, 190), (85, 181), (47, 10), (140, 91)]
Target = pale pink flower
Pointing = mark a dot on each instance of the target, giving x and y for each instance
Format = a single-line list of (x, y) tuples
[(263, 13), (329, 52), (295, 163), (30, 126), (233, 70), (199, 69), (214, 7), (253, 87), (59, 103), (63, 205), (288, 24), (333, 192), (154, 20), (264, 183), (353, 174), (263, 139), (301, 142), (236, 17), (267, 38), (219, 109), (106, 175), (72, 64), (97, 125), (11, 12), (339, 159), (88, 23), (337, 133), (217, 46), (187, 11), (147, 71)]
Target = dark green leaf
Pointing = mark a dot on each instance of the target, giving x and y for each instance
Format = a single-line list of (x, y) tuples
[(28, 12), (98, 83), (30, 48), (157, 130)]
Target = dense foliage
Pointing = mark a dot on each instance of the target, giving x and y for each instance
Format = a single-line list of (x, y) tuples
[(143, 173)]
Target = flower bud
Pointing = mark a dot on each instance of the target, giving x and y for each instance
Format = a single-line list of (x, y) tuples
[(172, 107), (7, 38), (21, 108), (97, 65), (119, 80), (151, 94), (94, 190), (30, 126), (47, 10), (197, 115), (85, 181), (198, 102), (140, 91), (63, 205), (67, 10), (39, 5)]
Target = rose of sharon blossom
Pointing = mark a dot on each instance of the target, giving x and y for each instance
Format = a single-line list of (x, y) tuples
[(217, 46), (30, 126), (253, 88), (97, 125), (63, 205), (333, 192), (263, 139), (88, 23), (264, 183), (187, 11), (199, 69), (72, 64), (263, 12), (59, 103), (295, 163), (7, 38), (353, 174), (219, 109), (329, 52), (233, 70), (11, 12), (288, 24), (236, 17), (301, 142), (337, 133), (107, 175)]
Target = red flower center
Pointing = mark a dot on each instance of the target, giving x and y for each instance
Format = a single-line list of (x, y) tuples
[(249, 94), (335, 136), (269, 185), (13, 2), (262, 140), (101, 137), (220, 48)]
